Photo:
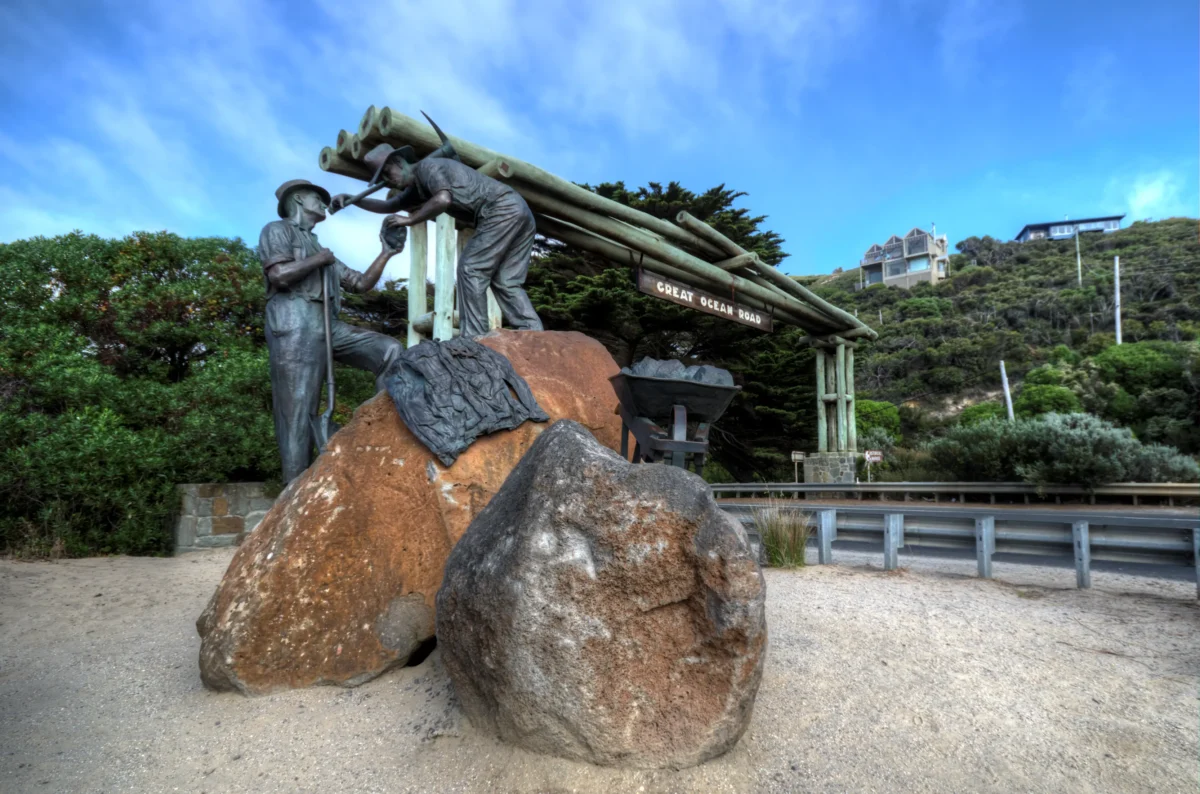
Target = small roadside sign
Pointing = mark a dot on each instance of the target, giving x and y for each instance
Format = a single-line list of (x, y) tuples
[(797, 459), (873, 456)]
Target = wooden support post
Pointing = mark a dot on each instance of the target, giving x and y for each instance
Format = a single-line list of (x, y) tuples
[(418, 264), (985, 544), (831, 388), (822, 437), (851, 411), (826, 534), (444, 278), (1083, 553), (842, 436), (893, 539)]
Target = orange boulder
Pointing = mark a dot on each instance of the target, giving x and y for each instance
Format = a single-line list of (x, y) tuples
[(337, 584)]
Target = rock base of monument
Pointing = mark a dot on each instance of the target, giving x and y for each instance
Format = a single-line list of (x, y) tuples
[(337, 583), (604, 611)]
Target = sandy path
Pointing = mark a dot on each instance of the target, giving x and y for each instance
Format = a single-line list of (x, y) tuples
[(926, 679)]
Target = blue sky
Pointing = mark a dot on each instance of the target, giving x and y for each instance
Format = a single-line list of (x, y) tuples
[(845, 121)]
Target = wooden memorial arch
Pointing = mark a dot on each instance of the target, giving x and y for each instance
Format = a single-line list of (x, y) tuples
[(685, 261)]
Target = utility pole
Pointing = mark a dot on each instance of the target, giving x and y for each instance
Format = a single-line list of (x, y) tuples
[(1117, 294), (1078, 261), (1007, 393)]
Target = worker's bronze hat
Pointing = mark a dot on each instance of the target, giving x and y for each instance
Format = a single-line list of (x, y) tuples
[(378, 157), (291, 185)]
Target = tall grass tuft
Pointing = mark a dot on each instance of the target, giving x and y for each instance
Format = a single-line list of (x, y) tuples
[(784, 534)]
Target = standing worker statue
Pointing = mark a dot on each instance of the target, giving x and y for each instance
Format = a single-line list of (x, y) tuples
[(293, 264), (497, 255)]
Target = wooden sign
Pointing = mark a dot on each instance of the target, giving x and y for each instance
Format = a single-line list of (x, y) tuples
[(874, 455), (675, 292)]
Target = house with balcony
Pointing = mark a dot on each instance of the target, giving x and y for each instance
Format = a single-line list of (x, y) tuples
[(905, 261), (1064, 230)]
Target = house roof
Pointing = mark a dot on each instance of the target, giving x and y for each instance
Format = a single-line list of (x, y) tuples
[(1058, 223)]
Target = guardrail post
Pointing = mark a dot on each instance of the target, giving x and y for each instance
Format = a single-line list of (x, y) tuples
[(1196, 557), (985, 544), (1083, 553), (893, 539), (826, 533)]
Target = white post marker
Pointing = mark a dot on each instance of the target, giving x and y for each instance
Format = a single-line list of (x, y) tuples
[(872, 456), (1007, 393), (796, 458), (1117, 294)]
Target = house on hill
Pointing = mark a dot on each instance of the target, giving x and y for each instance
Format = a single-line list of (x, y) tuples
[(1064, 230), (902, 262)]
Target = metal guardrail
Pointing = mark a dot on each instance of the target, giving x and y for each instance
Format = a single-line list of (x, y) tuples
[(1138, 536), (1135, 491)]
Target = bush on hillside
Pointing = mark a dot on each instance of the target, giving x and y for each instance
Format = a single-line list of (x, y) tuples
[(1066, 449), (981, 412), (872, 414), (1037, 399), (1143, 365)]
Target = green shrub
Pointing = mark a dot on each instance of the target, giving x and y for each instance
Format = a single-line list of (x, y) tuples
[(1143, 365), (1067, 449), (127, 367), (784, 534), (981, 412), (1044, 376), (872, 414), (877, 438), (1037, 399)]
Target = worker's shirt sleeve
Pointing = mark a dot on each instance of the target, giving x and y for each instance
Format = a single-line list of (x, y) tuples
[(350, 279), (275, 245)]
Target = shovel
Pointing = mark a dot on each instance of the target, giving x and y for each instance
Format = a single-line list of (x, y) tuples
[(322, 424)]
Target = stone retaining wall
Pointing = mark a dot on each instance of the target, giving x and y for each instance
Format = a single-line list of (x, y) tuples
[(218, 514), (829, 467)]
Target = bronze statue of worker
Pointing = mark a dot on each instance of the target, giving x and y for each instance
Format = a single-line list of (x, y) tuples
[(294, 264), (497, 255)]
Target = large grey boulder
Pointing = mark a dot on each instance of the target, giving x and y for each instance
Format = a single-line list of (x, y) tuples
[(604, 611)]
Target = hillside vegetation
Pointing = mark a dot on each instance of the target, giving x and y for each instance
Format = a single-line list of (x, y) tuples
[(129, 366), (940, 346)]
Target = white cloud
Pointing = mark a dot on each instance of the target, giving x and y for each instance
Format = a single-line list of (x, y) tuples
[(1158, 194), (187, 116)]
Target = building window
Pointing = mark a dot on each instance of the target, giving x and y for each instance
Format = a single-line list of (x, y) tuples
[(874, 276), (1059, 231), (918, 265), (895, 269)]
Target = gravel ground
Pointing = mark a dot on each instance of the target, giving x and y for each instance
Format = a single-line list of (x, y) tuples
[(923, 679)]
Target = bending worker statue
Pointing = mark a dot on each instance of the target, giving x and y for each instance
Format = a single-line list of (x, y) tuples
[(497, 255), (294, 264)]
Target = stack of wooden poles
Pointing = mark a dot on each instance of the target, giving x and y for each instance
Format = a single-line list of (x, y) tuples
[(687, 250)]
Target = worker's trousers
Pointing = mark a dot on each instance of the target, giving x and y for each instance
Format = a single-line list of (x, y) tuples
[(497, 256), (295, 331)]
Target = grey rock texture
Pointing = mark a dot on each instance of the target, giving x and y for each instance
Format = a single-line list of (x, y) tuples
[(653, 368), (604, 611)]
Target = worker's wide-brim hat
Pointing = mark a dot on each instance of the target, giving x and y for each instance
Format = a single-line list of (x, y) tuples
[(382, 154), (292, 185)]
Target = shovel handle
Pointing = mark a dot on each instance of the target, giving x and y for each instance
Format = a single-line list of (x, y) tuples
[(375, 188)]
